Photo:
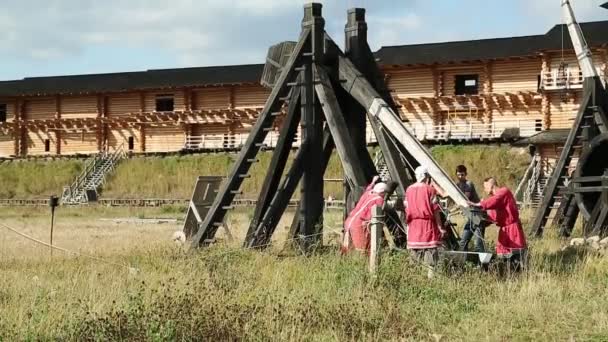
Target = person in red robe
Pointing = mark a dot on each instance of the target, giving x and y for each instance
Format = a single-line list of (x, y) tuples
[(502, 210), (424, 227), (356, 224)]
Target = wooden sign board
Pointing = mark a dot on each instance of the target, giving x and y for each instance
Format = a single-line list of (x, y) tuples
[(204, 193)]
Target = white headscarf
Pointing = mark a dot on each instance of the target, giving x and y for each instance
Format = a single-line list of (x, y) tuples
[(421, 172)]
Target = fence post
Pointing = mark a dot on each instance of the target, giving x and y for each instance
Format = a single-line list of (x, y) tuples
[(376, 226)]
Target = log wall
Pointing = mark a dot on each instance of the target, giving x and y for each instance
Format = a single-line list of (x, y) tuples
[(123, 104), (211, 98), (515, 76), (78, 106), (164, 139), (10, 109), (250, 96), (7, 145), (36, 143), (117, 137), (79, 142), (40, 108)]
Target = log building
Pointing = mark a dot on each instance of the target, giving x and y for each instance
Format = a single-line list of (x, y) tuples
[(501, 89)]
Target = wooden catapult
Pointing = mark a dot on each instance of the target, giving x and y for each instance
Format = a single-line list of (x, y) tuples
[(329, 93), (583, 191)]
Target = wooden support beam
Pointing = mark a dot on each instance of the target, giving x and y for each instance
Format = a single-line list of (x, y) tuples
[(142, 138), (231, 103), (259, 237), (142, 102), (335, 120), (58, 132), (250, 149), (364, 93)]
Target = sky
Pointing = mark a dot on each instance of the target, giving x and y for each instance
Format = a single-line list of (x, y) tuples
[(66, 37)]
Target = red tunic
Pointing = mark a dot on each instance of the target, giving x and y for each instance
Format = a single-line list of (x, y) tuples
[(356, 223), (504, 212), (420, 206)]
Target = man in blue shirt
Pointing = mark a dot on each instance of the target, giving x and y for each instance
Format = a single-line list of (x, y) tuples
[(468, 188)]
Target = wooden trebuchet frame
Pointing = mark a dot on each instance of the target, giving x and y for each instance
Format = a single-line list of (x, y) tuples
[(320, 83)]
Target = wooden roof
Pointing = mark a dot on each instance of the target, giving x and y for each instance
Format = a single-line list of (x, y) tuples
[(418, 54), (139, 80), (596, 34)]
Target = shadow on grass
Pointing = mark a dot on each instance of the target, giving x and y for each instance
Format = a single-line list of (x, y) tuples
[(565, 261)]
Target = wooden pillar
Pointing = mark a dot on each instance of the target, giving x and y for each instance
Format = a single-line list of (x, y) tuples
[(355, 43), (545, 103), (99, 123), (142, 138), (142, 102), (488, 90), (311, 205), (58, 120), (22, 151), (231, 104), (188, 99)]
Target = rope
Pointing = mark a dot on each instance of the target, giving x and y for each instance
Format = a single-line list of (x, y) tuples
[(66, 250)]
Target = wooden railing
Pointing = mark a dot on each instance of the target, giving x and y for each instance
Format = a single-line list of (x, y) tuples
[(228, 141), (561, 80), (495, 130), (155, 202)]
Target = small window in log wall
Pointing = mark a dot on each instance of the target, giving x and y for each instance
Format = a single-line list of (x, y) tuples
[(47, 145), (466, 84), (165, 103), (131, 143), (2, 112)]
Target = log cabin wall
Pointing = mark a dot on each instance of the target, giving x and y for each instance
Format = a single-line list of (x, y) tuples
[(211, 98), (78, 106), (164, 139), (82, 142), (41, 143), (128, 138)]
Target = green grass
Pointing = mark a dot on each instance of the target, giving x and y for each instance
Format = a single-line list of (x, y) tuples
[(37, 179), (174, 177)]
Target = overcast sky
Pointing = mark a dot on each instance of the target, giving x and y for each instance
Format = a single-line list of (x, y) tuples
[(62, 37)]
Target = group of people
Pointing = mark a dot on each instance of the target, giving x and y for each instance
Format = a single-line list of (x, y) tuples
[(425, 228)]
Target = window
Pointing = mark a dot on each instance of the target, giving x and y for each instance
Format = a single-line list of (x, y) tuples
[(130, 143), (467, 84), (538, 125), (538, 83), (164, 103), (2, 112), (47, 145)]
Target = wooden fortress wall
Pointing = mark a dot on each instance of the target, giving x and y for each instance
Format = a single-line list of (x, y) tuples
[(507, 92)]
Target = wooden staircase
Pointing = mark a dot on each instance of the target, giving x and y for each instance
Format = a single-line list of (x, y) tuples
[(92, 177)]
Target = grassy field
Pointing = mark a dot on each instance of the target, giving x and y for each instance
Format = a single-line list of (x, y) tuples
[(145, 287), (174, 176)]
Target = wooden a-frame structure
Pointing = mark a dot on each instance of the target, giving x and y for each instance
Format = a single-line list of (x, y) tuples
[(329, 93), (585, 190)]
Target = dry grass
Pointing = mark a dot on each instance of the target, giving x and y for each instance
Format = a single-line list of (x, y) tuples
[(226, 293)]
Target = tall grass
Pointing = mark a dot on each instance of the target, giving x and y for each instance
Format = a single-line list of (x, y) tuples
[(174, 177), (36, 179)]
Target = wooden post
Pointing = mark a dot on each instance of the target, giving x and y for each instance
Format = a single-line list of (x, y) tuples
[(311, 205), (142, 138), (376, 228), (58, 119)]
